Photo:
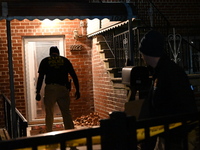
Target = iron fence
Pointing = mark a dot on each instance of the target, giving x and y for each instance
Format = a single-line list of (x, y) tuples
[(182, 48), (118, 132)]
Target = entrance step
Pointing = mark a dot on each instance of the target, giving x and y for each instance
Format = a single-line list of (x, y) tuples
[(41, 128), (4, 134)]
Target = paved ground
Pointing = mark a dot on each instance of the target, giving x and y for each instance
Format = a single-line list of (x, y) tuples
[(95, 147), (56, 147)]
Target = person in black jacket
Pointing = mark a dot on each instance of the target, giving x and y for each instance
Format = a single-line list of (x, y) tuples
[(171, 92), (55, 69)]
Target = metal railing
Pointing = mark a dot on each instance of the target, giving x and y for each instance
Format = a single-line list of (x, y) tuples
[(22, 123), (118, 132), (118, 43), (187, 57), (150, 15), (184, 49), (121, 49)]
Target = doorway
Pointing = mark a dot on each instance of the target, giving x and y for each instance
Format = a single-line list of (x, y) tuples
[(37, 48)]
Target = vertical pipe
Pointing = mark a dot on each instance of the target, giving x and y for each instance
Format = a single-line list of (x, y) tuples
[(89, 143), (131, 43), (12, 95), (151, 14), (114, 133)]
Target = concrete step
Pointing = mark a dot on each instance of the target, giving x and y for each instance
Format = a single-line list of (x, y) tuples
[(115, 72), (41, 128), (102, 45), (100, 38), (109, 62), (117, 83), (4, 135), (106, 53)]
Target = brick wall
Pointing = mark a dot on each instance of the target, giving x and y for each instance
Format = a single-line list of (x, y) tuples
[(95, 88), (180, 12), (81, 61), (106, 97)]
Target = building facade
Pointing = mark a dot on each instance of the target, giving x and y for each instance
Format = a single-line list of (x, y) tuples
[(31, 41)]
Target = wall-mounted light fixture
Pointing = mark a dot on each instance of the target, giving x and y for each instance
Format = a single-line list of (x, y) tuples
[(76, 33)]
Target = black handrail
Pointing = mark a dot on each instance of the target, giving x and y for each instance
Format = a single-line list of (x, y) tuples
[(167, 23), (22, 123), (147, 11)]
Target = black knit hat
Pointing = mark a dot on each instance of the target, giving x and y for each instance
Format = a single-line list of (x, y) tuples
[(152, 44), (54, 49)]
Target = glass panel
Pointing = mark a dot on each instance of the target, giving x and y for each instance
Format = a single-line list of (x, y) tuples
[(42, 51)]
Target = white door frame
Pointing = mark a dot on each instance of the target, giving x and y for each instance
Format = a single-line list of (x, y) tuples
[(31, 68)]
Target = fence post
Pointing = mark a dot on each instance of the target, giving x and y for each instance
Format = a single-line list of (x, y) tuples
[(118, 132)]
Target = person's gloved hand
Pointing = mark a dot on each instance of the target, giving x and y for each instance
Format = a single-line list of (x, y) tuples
[(77, 95), (38, 97)]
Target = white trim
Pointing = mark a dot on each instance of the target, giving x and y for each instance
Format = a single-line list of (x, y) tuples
[(31, 70)]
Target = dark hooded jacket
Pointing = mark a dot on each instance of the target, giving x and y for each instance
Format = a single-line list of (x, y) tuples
[(170, 93)]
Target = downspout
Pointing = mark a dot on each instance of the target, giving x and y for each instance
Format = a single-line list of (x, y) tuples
[(11, 74), (130, 62), (131, 43), (151, 14)]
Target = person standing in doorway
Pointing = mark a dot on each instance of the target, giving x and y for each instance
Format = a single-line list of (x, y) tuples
[(56, 69)]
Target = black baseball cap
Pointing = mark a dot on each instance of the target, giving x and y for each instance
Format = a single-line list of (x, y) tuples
[(152, 44), (54, 49)]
